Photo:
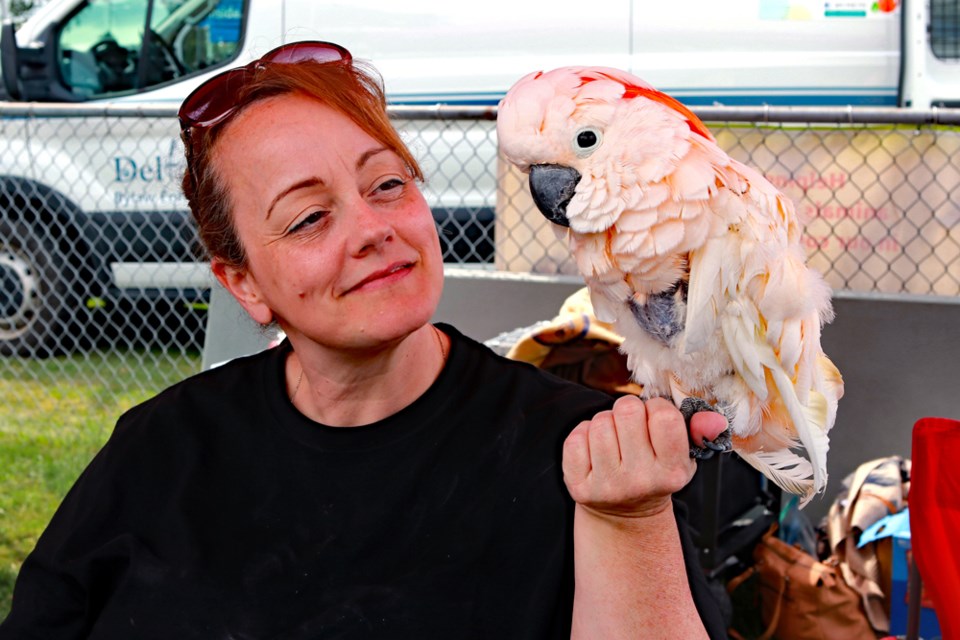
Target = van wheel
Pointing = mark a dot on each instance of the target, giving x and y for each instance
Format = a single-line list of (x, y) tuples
[(35, 314)]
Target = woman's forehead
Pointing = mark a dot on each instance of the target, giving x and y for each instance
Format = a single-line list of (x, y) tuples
[(285, 141), (290, 128), (291, 113)]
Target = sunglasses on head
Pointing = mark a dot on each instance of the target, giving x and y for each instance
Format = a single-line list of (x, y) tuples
[(214, 100)]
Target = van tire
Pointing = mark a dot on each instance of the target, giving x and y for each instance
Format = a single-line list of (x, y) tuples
[(36, 318)]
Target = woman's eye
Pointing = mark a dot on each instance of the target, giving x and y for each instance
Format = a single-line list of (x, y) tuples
[(388, 185), (308, 221)]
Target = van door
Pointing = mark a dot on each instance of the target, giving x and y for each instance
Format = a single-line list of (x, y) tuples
[(932, 55)]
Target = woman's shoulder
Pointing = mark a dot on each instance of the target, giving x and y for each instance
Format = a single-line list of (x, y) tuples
[(476, 364), (233, 388)]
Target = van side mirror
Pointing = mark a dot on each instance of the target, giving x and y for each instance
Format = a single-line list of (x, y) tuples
[(30, 73), (8, 58)]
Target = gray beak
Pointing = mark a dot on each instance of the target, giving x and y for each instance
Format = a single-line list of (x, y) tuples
[(552, 187)]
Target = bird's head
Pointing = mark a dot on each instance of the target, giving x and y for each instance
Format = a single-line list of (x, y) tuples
[(592, 139)]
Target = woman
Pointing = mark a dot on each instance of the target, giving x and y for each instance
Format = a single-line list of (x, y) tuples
[(374, 475)]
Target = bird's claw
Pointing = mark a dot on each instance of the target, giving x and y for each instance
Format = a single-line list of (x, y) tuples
[(701, 454), (721, 444)]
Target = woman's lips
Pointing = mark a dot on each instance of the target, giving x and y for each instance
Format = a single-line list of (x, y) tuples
[(394, 271)]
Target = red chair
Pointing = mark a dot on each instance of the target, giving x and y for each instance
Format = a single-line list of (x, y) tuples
[(935, 517)]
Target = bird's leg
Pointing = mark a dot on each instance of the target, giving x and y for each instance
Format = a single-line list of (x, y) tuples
[(722, 443), (662, 314)]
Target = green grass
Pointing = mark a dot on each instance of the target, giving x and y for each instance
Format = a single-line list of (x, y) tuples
[(54, 416)]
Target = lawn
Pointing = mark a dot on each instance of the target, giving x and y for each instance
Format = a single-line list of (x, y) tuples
[(54, 416)]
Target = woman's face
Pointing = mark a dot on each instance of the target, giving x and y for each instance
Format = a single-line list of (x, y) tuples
[(341, 245)]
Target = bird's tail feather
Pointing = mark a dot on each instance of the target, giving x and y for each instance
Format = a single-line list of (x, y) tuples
[(790, 472), (810, 430)]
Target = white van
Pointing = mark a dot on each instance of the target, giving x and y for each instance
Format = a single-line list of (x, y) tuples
[(777, 52), (123, 200)]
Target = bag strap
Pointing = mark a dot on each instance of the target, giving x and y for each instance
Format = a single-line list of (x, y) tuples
[(746, 575), (732, 586), (785, 579), (750, 572), (776, 610), (891, 508), (740, 579)]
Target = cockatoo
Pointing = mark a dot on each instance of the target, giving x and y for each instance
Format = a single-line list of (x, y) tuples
[(694, 257)]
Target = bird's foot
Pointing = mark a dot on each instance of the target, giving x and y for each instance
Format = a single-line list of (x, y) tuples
[(722, 443)]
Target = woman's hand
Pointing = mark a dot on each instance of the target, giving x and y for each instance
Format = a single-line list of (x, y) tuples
[(621, 468), (627, 462)]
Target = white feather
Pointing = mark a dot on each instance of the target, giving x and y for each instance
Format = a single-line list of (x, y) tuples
[(789, 341), (704, 295), (606, 301), (813, 438), (739, 336), (789, 471)]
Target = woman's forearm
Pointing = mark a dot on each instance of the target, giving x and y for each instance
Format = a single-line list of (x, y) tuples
[(631, 580)]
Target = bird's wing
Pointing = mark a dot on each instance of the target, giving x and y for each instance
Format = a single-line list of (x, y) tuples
[(770, 307)]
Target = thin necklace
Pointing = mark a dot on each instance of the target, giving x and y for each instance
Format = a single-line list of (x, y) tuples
[(436, 332), (296, 387), (443, 350)]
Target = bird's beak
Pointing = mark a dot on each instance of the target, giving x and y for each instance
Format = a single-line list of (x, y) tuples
[(552, 187)]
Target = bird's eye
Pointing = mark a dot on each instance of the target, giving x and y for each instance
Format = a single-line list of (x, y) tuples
[(586, 141)]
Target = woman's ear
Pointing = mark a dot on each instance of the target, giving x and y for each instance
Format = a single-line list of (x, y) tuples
[(243, 286)]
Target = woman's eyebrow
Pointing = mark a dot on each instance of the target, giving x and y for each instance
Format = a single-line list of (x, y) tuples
[(316, 181), (303, 184), (368, 154)]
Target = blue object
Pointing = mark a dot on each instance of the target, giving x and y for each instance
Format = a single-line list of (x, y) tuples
[(897, 527)]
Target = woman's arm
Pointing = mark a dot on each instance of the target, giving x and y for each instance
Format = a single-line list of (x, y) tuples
[(622, 468)]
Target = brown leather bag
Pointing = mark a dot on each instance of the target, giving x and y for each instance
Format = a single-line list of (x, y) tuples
[(802, 598)]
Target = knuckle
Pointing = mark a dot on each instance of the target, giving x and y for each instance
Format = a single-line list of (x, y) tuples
[(629, 407), (578, 430), (664, 416), (659, 404), (604, 417)]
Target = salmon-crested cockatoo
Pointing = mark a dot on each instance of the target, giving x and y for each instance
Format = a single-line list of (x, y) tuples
[(695, 258)]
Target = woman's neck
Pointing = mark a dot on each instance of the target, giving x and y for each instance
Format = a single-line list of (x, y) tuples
[(350, 389)]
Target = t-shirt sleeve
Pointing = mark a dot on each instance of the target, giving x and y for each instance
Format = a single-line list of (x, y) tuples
[(50, 599), (46, 604), (703, 597), (58, 588)]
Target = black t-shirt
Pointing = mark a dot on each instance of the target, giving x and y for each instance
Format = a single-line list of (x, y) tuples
[(217, 511)]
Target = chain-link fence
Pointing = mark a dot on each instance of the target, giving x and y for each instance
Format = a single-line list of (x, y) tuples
[(878, 191), (99, 274)]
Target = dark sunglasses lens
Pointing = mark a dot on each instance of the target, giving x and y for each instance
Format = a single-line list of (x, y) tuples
[(216, 98), (212, 100), (303, 51)]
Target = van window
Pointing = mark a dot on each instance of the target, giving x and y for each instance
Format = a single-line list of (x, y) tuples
[(106, 47), (945, 29)]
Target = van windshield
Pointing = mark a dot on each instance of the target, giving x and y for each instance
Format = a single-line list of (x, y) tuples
[(115, 47)]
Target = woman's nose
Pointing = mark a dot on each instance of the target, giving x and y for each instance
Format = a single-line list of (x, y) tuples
[(372, 229)]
